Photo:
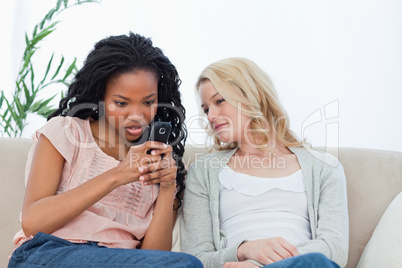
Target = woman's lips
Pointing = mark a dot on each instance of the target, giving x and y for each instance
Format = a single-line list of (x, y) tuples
[(134, 130), (219, 126)]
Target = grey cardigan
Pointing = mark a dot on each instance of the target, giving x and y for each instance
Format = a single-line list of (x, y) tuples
[(325, 185)]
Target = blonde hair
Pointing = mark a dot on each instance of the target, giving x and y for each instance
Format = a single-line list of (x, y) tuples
[(241, 81)]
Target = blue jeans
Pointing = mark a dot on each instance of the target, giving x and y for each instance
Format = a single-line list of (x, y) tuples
[(45, 250), (310, 260)]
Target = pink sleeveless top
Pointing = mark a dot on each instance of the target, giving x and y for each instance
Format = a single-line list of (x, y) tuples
[(120, 219)]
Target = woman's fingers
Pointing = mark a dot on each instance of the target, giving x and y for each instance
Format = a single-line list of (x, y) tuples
[(267, 251), (274, 256), (279, 249), (292, 250), (164, 151), (157, 167), (163, 163), (283, 253), (138, 154), (161, 171), (142, 160), (164, 175)]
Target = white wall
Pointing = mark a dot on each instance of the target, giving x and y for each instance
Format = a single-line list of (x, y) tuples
[(342, 58)]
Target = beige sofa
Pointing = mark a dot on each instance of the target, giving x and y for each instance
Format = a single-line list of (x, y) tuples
[(374, 178)]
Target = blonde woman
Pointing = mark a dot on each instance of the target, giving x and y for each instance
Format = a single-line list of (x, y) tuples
[(261, 199)]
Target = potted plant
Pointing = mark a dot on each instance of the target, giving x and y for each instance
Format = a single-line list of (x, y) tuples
[(25, 98)]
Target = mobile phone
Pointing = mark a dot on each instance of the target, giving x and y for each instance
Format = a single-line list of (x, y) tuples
[(160, 131)]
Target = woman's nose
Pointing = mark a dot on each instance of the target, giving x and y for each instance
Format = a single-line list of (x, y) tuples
[(212, 116), (135, 114)]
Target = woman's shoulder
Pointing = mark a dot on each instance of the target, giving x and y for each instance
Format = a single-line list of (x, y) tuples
[(68, 125), (65, 130), (65, 122), (308, 155)]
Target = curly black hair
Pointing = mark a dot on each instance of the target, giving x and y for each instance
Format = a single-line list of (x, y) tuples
[(116, 55)]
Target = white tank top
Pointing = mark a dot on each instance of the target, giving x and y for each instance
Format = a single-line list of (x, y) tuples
[(253, 208)]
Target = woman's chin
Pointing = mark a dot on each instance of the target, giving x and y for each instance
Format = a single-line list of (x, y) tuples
[(224, 137), (135, 140)]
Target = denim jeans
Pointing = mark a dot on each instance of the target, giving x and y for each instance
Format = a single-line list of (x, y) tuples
[(310, 260), (45, 250)]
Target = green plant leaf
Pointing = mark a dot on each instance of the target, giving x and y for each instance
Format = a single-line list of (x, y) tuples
[(6, 112), (39, 104), (70, 69), (28, 97), (65, 3), (42, 34), (35, 30), (47, 69), (9, 129), (31, 70), (11, 109), (27, 59), (58, 4), (35, 106), (45, 111), (58, 68), (2, 97), (26, 39), (22, 75), (47, 17), (20, 108), (50, 14), (38, 37)]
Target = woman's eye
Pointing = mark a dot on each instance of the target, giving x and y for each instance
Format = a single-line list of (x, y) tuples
[(220, 101), (150, 102), (120, 103)]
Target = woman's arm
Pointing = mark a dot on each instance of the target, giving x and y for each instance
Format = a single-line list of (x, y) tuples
[(332, 226), (159, 233), (196, 233), (44, 211)]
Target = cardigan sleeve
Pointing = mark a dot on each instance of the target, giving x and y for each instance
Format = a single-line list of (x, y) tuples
[(331, 215), (199, 235)]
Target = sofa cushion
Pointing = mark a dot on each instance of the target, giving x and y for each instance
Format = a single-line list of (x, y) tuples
[(13, 156), (385, 245)]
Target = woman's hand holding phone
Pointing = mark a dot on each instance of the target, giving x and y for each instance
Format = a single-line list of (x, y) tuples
[(128, 170), (151, 162), (163, 171), (161, 132)]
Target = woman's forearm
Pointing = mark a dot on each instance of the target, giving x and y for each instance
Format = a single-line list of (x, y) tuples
[(52, 212), (159, 233)]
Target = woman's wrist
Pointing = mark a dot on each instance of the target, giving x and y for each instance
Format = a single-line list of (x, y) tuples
[(168, 190), (114, 175), (241, 255)]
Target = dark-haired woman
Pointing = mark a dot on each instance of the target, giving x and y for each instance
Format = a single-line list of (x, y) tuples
[(94, 196)]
